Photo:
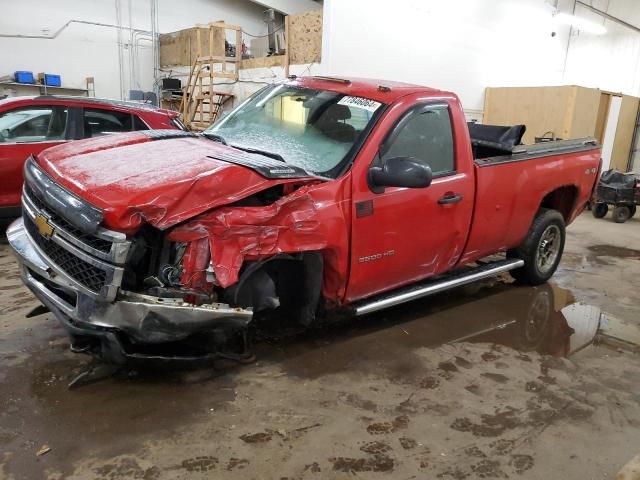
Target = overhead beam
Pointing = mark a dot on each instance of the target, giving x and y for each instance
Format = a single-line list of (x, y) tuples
[(290, 7), (607, 16)]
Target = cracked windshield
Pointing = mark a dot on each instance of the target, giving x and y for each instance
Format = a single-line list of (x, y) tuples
[(311, 129)]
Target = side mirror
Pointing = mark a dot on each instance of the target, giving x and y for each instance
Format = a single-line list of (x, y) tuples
[(404, 172)]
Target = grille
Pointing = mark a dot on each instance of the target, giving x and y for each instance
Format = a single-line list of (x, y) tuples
[(83, 272), (87, 238)]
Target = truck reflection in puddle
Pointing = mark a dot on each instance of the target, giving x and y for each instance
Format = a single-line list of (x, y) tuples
[(545, 319), (551, 325)]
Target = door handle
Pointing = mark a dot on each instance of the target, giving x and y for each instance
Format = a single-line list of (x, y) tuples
[(450, 198)]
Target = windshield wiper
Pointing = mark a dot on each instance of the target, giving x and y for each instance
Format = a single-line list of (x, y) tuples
[(215, 137), (266, 153), (219, 138)]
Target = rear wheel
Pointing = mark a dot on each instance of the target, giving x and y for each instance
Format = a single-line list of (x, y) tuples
[(599, 210), (621, 214), (633, 210), (542, 248)]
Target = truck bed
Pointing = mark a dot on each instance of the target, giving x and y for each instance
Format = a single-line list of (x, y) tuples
[(511, 187), (498, 144)]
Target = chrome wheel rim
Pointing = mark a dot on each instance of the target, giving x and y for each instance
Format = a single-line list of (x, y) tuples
[(537, 317), (548, 248)]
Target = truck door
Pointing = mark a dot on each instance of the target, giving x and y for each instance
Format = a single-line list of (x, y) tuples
[(401, 235)]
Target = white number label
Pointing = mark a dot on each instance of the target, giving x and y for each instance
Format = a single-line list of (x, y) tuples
[(359, 102)]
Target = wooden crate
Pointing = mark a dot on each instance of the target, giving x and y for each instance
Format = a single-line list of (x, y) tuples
[(181, 48), (201, 103)]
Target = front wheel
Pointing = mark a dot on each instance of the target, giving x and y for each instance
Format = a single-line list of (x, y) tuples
[(542, 248)]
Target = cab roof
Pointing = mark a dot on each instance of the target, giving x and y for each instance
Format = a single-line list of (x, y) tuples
[(383, 91)]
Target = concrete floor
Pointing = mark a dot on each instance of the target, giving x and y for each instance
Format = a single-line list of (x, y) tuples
[(489, 381)]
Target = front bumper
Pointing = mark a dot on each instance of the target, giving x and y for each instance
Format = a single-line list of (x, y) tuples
[(130, 319)]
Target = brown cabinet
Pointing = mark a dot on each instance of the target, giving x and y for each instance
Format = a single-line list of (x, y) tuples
[(567, 112)]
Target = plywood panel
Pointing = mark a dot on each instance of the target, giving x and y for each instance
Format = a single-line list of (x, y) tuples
[(565, 111), (541, 109), (263, 62), (585, 112), (624, 133), (181, 48), (603, 114), (305, 37)]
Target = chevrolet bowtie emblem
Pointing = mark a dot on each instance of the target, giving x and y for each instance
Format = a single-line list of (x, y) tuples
[(44, 227)]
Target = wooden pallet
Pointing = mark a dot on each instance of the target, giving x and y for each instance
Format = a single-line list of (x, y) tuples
[(201, 103)]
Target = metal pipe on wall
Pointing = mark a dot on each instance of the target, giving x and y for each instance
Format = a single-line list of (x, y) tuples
[(64, 27), (132, 77), (155, 47), (138, 38), (120, 53), (119, 27)]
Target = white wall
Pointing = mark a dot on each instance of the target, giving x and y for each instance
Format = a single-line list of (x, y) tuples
[(468, 45), (459, 45), (81, 51), (611, 61), (610, 131)]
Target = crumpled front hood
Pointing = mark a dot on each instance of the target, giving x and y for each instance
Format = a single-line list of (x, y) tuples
[(158, 179)]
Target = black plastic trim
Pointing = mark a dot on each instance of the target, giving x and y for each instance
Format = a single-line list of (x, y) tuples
[(521, 157), (266, 166)]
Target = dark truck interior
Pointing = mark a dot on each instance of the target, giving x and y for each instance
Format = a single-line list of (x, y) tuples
[(494, 140)]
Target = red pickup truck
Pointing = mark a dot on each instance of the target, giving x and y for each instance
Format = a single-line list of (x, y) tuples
[(313, 198), (29, 125)]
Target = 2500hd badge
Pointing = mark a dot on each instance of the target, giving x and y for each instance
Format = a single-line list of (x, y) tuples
[(376, 256)]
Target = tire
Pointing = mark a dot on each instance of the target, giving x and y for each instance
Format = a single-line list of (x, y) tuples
[(542, 248), (621, 214), (599, 210), (633, 210)]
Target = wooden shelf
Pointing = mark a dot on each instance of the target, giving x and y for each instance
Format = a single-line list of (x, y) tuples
[(42, 88)]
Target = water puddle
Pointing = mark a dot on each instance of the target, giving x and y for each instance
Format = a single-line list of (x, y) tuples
[(613, 251), (546, 319)]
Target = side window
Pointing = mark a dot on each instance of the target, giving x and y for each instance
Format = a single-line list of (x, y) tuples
[(138, 124), (33, 124), (98, 122), (427, 136)]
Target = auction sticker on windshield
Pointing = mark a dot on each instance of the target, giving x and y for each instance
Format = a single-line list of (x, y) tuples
[(359, 102)]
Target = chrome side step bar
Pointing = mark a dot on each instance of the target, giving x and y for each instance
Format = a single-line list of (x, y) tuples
[(436, 286)]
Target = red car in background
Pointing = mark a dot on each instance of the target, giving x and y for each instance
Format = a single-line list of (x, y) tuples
[(29, 125)]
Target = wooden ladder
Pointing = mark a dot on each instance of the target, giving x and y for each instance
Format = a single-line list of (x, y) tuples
[(201, 105)]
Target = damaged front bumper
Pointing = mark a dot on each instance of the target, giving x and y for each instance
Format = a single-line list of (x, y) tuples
[(132, 320)]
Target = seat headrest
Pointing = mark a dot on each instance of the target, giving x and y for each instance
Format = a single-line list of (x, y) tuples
[(338, 112)]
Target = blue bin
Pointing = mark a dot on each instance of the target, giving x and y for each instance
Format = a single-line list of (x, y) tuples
[(52, 80), (24, 77)]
